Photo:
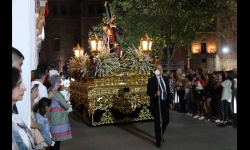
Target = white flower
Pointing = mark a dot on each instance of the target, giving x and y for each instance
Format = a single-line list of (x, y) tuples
[(136, 59), (107, 64), (79, 65)]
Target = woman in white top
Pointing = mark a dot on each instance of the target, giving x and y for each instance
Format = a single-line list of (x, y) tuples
[(228, 86)]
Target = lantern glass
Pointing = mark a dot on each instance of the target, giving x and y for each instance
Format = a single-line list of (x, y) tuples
[(81, 52), (144, 45), (93, 45), (77, 54), (150, 45), (78, 51), (99, 45)]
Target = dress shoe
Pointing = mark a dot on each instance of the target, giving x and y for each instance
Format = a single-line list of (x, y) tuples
[(158, 144)]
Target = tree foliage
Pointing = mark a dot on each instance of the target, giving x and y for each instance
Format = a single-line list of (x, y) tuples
[(170, 23)]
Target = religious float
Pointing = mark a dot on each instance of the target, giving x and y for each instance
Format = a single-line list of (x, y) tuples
[(110, 89)]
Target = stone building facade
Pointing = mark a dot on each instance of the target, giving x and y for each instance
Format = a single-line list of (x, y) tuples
[(68, 24), (209, 53), (213, 57)]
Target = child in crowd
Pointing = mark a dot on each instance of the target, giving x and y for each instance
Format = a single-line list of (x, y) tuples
[(41, 109), (65, 86)]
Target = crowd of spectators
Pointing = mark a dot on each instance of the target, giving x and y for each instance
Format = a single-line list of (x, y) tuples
[(205, 95), (49, 124), (199, 94)]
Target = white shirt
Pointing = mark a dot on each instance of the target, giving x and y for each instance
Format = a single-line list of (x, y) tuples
[(65, 82), (52, 72), (226, 91), (160, 78), (199, 86), (65, 91), (42, 91)]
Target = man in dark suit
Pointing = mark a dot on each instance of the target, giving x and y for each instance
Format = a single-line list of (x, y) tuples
[(158, 90)]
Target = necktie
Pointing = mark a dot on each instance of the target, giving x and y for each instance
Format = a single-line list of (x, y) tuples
[(164, 93)]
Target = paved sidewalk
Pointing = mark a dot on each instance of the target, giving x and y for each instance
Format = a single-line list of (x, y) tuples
[(182, 133)]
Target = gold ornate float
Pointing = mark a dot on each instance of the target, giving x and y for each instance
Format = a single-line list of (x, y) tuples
[(109, 89), (109, 100)]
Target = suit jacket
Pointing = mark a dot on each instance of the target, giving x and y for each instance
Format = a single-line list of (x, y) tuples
[(152, 88)]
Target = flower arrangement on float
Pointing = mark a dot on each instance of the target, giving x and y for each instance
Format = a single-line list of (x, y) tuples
[(136, 59), (107, 64), (78, 67)]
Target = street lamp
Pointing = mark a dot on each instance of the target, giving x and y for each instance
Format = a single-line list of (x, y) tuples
[(225, 50), (78, 50), (95, 43), (146, 44)]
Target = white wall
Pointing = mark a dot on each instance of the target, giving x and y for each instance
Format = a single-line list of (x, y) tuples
[(24, 39)]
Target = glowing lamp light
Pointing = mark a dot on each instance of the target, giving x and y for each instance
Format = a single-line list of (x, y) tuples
[(212, 50), (93, 45), (225, 50), (96, 44), (146, 44), (78, 50)]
